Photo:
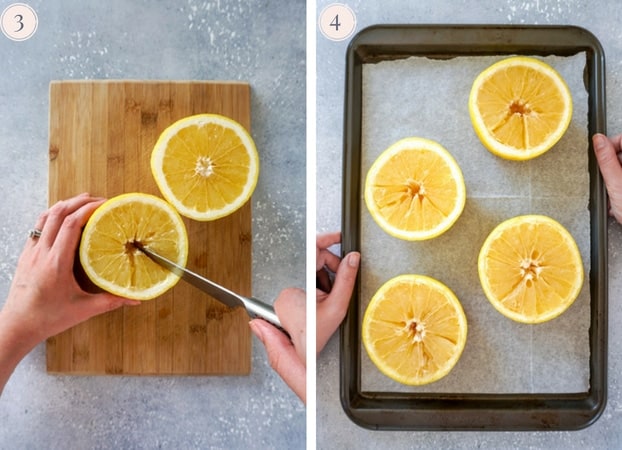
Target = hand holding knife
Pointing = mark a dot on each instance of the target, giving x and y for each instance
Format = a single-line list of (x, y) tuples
[(255, 308)]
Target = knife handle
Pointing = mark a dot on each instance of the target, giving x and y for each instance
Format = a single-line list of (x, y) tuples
[(257, 309)]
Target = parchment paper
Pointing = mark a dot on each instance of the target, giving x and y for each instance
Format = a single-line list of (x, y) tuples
[(429, 98)]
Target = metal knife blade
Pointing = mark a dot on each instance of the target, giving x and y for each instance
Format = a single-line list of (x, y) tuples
[(255, 308)]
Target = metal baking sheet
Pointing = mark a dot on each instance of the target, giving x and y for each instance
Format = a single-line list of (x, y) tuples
[(505, 379)]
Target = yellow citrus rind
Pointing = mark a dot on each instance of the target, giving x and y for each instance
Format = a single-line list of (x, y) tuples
[(415, 189), (109, 258), (414, 329), (520, 107), (530, 269), (206, 166)]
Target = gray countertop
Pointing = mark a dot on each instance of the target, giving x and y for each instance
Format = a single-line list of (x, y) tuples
[(256, 41), (602, 18)]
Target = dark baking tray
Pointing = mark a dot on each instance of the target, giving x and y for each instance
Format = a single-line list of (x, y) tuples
[(460, 411)]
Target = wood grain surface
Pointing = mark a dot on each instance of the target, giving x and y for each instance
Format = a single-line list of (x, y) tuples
[(101, 137)]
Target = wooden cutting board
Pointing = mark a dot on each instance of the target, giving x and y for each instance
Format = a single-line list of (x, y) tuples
[(101, 137)]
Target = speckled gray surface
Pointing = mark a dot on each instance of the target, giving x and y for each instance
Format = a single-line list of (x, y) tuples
[(602, 18), (258, 41)]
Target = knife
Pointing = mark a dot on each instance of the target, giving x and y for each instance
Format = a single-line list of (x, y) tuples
[(256, 309)]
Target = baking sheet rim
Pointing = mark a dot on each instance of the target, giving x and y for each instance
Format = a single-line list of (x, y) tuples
[(391, 410)]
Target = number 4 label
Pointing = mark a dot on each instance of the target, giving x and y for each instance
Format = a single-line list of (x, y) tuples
[(337, 22)]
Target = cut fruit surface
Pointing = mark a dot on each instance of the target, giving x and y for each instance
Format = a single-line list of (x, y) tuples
[(108, 254), (414, 329), (520, 107), (530, 268), (415, 189), (206, 166)]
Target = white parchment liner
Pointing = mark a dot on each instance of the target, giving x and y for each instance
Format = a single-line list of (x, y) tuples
[(429, 98)]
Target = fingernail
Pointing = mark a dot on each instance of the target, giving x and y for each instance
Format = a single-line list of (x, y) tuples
[(354, 259), (256, 329), (599, 141), (129, 302)]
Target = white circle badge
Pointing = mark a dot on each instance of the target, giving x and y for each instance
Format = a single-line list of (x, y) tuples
[(19, 22), (337, 22)]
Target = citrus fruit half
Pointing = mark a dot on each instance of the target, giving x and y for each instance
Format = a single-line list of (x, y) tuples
[(109, 257), (415, 189), (414, 329), (206, 166), (520, 107), (530, 268)]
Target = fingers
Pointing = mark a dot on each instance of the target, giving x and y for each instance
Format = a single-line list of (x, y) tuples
[(282, 356), (287, 357), (54, 217), (606, 155), (345, 276), (325, 240), (39, 225), (71, 230), (41, 220), (323, 281), (617, 142), (332, 309), (291, 308), (324, 257)]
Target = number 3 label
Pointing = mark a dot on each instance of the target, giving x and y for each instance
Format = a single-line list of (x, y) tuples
[(18, 22), (337, 22)]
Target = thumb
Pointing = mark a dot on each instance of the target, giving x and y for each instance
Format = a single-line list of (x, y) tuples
[(282, 356), (611, 170), (332, 309), (97, 304)]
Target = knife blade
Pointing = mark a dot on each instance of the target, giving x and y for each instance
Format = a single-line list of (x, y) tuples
[(255, 308)]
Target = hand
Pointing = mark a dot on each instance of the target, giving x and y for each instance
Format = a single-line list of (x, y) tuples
[(45, 298), (332, 301), (608, 153), (287, 357)]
